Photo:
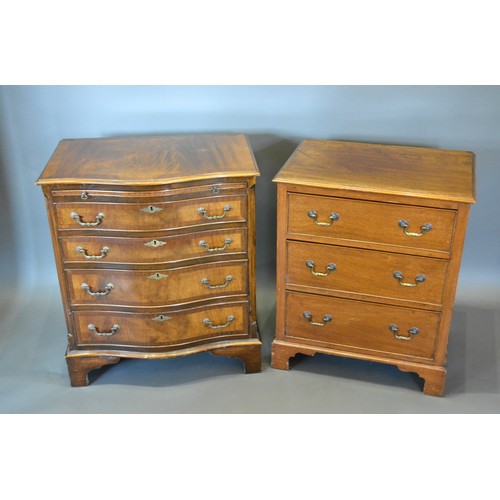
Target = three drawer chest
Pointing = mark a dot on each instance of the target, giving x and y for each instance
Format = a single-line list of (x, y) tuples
[(369, 245), (154, 240)]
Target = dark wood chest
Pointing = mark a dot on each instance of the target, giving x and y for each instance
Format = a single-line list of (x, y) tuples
[(154, 240)]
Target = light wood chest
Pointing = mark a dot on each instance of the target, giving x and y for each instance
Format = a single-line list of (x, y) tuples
[(154, 239), (370, 240)]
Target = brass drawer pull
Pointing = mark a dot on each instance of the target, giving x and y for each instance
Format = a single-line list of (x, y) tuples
[(203, 212), (114, 329), (329, 268), (334, 216), (399, 276), (151, 209), (204, 244), (412, 331), (326, 319), (208, 323), (206, 282), (78, 218), (403, 224), (103, 253), (105, 291)]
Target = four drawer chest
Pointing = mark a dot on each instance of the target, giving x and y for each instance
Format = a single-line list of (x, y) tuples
[(369, 245), (154, 240)]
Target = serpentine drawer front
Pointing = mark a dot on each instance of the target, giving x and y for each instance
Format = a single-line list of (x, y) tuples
[(369, 245), (154, 249), (180, 328), (150, 216), (154, 239)]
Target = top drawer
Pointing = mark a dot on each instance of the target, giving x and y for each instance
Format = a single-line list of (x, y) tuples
[(366, 221), (150, 216)]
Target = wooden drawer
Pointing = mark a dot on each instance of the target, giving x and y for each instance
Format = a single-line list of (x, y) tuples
[(356, 325), (364, 221), (154, 329), (366, 272), (153, 250), (103, 194), (147, 216), (159, 287)]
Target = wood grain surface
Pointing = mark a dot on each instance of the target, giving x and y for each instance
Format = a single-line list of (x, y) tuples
[(149, 160), (378, 168)]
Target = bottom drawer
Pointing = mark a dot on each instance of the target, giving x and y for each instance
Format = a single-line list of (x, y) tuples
[(167, 329), (347, 323)]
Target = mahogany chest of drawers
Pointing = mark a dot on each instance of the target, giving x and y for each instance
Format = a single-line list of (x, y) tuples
[(154, 239), (370, 239)]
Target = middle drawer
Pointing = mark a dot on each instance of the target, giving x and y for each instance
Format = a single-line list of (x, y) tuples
[(367, 272), (153, 250), (158, 288)]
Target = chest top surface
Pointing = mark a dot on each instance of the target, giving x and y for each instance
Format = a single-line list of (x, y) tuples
[(149, 160), (397, 170)]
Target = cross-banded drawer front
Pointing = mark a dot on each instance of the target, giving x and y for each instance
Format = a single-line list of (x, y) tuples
[(156, 249), (157, 287), (165, 328), (150, 216), (351, 324), (364, 221), (154, 239), (119, 194), (368, 272)]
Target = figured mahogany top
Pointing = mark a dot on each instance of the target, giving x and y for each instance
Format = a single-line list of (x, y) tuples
[(149, 160), (397, 170)]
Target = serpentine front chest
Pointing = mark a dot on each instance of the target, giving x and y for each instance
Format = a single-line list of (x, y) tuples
[(154, 240)]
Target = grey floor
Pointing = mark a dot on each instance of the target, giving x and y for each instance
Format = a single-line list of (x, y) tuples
[(33, 376)]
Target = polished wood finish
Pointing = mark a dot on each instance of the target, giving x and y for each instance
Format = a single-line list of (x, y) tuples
[(357, 325), (365, 272), (154, 239), (150, 160), (349, 302), (79, 367), (160, 287), (364, 221), (435, 174), (152, 216), (157, 329), (149, 250)]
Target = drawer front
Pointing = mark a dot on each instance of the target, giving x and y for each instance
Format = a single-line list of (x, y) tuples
[(366, 272), (177, 328), (133, 195), (340, 323), (151, 216), (365, 221), (153, 250), (158, 287)]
